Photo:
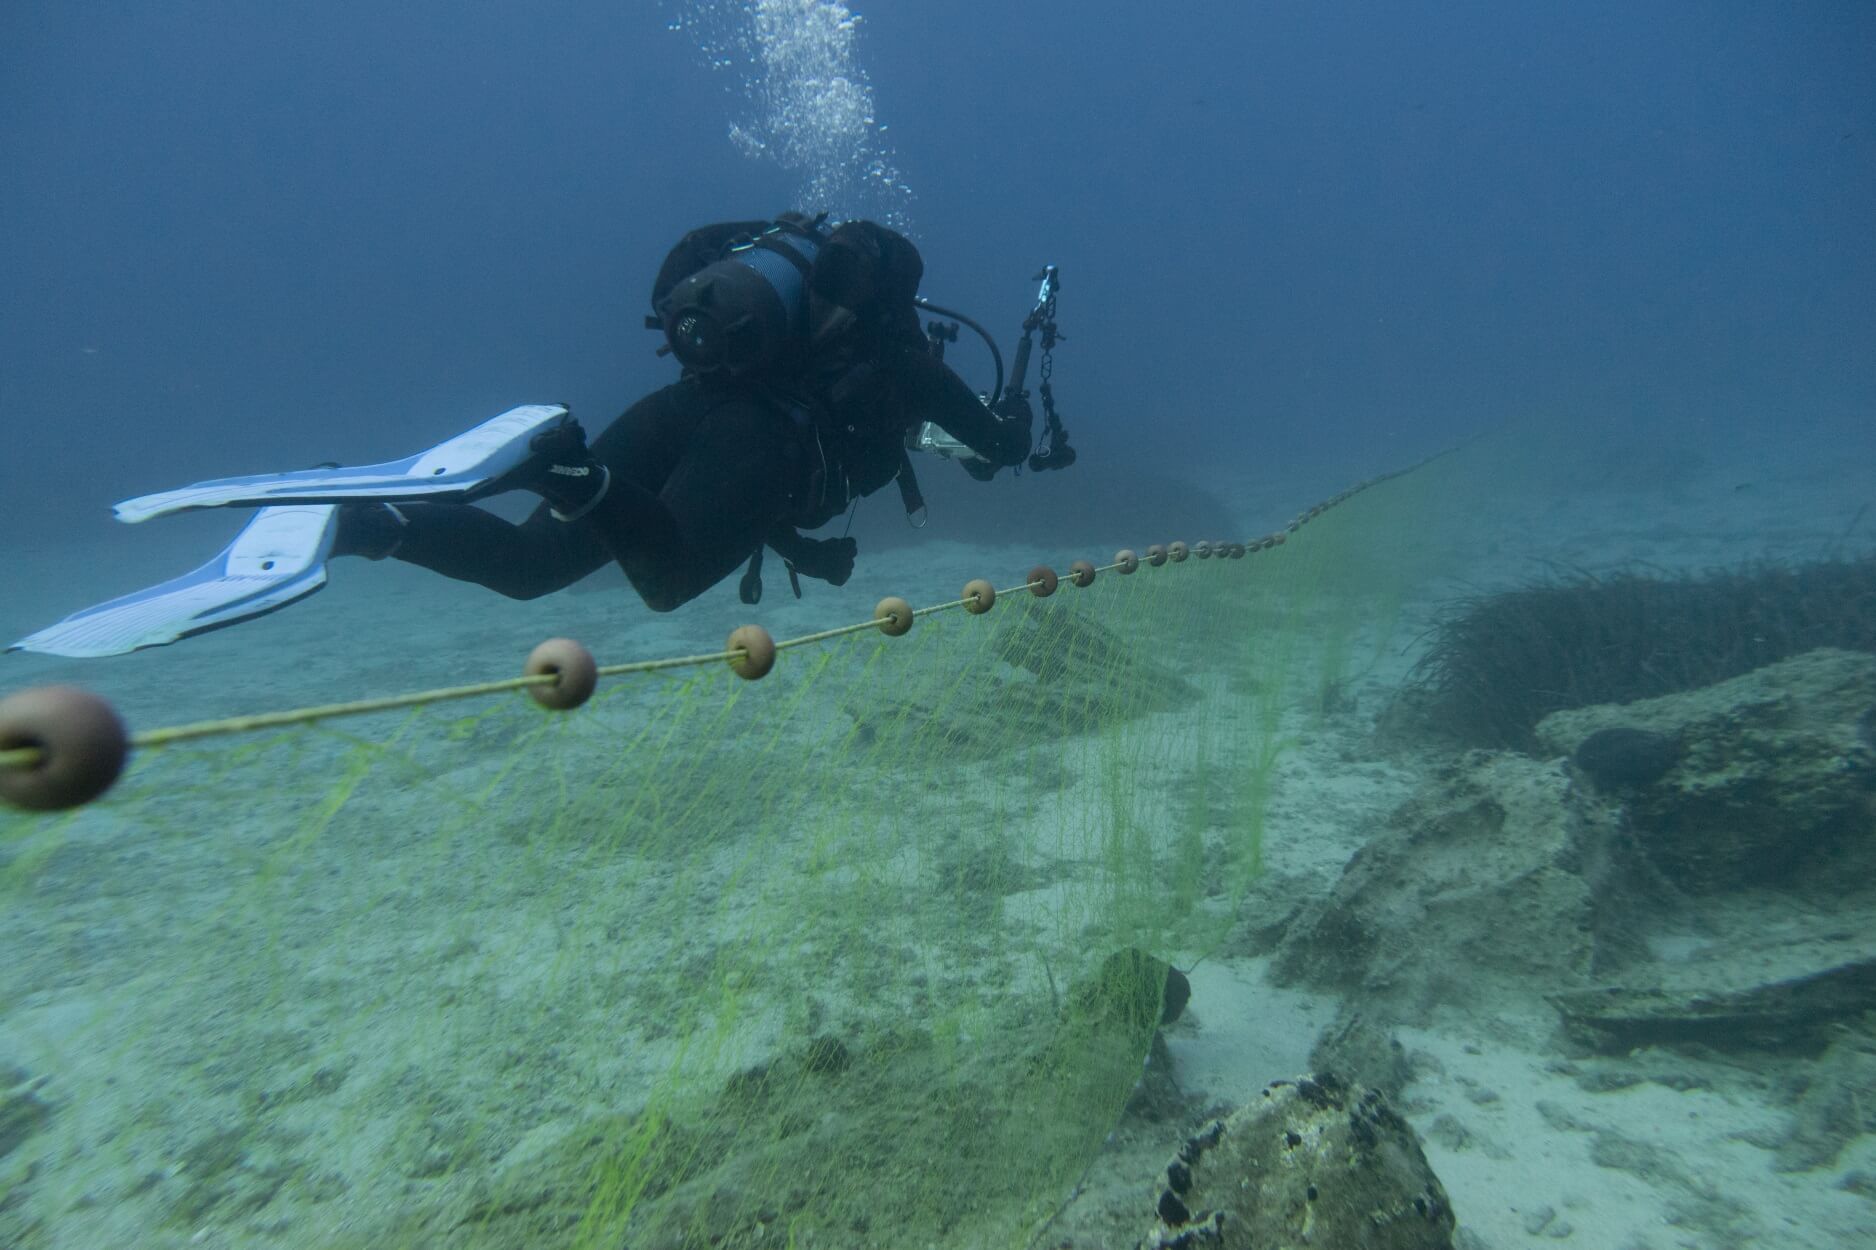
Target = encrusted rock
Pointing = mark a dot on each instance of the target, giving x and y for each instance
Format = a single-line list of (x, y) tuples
[(1835, 1108), (1726, 897), (1364, 1051), (1777, 987), (1769, 778), (1312, 1163), (1499, 880)]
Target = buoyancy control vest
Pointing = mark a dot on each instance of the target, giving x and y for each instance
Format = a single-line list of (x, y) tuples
[(805, 314), (808, 315)]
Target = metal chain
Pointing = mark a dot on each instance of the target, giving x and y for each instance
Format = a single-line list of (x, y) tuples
[(1048, 337), (1052, 423)]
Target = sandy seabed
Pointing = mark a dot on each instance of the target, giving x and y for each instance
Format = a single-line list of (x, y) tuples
[(1511, 1135)]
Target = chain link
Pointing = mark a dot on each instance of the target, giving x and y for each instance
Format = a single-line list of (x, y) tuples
[(1047, 369), (1048, 336)]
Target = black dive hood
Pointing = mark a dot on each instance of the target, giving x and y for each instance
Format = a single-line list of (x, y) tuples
[(745, 311)]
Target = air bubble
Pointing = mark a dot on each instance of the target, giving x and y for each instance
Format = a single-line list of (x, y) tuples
[(804, 101)]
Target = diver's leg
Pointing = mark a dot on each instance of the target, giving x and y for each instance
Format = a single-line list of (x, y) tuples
[(524, 561), (544, 553), (697, 482), (697, 477)]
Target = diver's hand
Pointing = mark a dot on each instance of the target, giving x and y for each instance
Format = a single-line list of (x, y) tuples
[(1018, 422), (825, 559), (1016, 410), (837, 555), (1015, 434)]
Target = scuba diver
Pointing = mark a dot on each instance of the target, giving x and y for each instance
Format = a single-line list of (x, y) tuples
[(806, 382)]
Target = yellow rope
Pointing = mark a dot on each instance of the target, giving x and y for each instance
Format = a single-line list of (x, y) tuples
[(942, 607), (652, 666), (824, 635), (27, 757)]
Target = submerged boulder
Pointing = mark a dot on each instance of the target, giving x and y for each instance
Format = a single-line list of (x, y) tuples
[(1642, 882), (1763, 979), (1312, 1162), (1500, 879), (1765, 780)]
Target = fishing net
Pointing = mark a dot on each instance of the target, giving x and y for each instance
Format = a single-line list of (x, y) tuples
[(869, 952)]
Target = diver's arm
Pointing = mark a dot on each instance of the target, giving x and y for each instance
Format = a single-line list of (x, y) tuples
[(936, 394)]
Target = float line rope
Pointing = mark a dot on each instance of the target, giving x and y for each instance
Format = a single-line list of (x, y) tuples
[(29, 757)]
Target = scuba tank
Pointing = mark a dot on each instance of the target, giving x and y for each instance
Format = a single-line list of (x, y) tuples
[(747, 309)]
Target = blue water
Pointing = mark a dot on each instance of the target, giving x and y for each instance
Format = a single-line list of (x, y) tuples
[(237, 237)]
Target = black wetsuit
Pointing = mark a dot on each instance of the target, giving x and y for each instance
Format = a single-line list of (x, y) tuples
[(708, 470)]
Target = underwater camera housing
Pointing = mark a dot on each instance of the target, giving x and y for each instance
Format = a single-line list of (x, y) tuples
[(744, 311)]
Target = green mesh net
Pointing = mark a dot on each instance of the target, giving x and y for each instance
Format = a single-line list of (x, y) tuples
[(869, 952)]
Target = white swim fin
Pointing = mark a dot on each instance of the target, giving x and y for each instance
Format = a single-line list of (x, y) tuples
[(462, 469), (278, 559)]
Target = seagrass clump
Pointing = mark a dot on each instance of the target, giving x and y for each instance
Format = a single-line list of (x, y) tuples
[(1505, 661)]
